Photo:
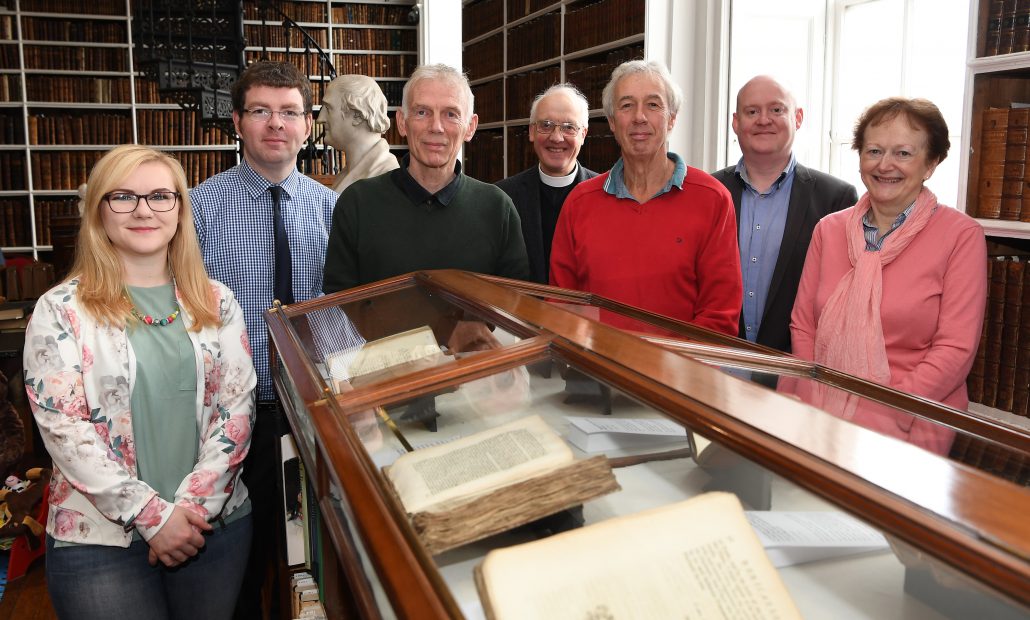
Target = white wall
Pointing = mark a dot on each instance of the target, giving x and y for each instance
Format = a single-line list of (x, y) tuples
[(688, 36), (440, 32), (796, 61)]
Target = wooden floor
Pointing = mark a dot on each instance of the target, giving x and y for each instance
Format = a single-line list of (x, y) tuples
[(26, 598)]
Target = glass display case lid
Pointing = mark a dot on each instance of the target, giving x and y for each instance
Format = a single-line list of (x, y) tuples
[(474, 340)]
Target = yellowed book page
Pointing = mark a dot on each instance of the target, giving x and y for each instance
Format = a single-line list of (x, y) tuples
[(697, 559), (414, 344), (432, 478), (396, 349)]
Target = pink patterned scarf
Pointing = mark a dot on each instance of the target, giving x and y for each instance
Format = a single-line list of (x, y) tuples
[(849, 335)]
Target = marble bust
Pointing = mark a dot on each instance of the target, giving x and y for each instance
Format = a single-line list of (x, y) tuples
[(354, 114)]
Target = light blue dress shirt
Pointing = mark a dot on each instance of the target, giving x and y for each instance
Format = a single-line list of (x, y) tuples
[(762, 220), (615, 184)]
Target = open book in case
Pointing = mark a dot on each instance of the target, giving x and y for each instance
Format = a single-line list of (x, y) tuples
[(438, 405)]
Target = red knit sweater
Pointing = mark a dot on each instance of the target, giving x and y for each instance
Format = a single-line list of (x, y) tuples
[(675, 255)]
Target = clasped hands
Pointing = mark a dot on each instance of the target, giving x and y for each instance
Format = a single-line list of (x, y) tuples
[(179, 539)]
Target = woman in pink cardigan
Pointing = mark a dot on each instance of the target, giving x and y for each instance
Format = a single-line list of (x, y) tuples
[(894, 288)]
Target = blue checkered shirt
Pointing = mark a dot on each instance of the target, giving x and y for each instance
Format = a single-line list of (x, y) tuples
[(233, 214)]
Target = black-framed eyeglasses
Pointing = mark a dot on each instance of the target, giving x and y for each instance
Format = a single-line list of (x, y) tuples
[(263, 115), (546, 128), (124, 202)]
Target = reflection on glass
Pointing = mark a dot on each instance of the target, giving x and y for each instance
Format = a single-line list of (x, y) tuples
[(304, 431), (883, 419), (343, 513), (393, 334), (615, 319), (499, 398), (973, 450), (947, 590)]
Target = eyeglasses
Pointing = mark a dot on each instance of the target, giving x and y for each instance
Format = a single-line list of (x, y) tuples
[(262, 115), (123, 202), (546, 128)]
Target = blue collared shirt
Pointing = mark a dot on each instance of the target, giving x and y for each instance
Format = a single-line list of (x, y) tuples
[(870, 230), (233, 215), (616, 182), (762, 220)]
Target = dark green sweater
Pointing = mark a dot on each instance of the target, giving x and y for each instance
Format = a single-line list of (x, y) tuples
[(380, 231)]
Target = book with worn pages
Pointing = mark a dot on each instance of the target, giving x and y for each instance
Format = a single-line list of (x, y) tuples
[(694, 559), (493, 481), (386, 358)]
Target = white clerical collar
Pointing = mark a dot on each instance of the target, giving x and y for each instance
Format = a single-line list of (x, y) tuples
[(564, 181)]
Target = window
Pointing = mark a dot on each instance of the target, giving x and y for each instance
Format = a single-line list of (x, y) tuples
[(839, 56), (784, 39), (912, 48)]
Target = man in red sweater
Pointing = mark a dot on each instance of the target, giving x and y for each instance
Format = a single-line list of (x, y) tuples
[(651, 232)]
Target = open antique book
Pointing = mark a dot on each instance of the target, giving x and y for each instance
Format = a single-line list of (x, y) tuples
[(693, 559), (493, 481), (386, 358)]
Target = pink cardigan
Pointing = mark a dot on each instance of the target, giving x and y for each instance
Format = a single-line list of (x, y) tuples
[(934, 295)]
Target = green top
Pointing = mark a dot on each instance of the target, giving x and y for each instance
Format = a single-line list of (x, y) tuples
[(164, 396), (382, 227)]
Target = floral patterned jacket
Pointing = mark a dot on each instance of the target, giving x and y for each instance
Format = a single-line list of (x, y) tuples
[(79, 376)]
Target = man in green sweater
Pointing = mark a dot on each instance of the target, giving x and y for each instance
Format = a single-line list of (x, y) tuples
[(427, 214)]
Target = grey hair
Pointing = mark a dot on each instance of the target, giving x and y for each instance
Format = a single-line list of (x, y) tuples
[(362, 94), (572, 92), (653, 68), (438, 72)]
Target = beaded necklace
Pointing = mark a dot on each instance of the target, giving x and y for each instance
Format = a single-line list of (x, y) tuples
[(149, 320)]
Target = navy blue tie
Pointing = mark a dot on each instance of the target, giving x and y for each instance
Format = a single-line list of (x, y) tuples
[(283, 265)]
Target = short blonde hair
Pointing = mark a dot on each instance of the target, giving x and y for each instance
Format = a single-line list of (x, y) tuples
[(98, 267)]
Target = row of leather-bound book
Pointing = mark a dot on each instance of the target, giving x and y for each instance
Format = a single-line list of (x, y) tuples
[(1003, 191), (14, 219), (1001, 369), (1008, 27)]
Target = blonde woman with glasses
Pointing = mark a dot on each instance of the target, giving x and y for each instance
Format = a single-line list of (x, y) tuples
[(139, 375)]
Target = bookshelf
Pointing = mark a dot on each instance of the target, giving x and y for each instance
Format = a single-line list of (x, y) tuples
[(373, 38), (996, 171), (69, 92), (512, 50)]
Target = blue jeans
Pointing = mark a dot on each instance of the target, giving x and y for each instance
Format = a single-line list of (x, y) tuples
[(89, 582)]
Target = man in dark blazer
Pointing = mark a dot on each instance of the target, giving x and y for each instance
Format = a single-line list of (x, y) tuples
[(557, 128), (778, 203)]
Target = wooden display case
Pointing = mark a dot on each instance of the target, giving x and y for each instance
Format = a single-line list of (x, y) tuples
[(955, 529)]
